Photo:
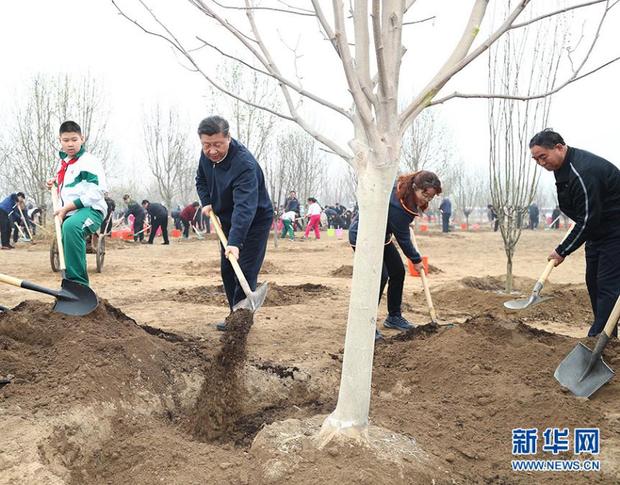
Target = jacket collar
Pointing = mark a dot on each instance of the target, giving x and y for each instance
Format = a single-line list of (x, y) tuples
[(226, 163), (562, 173), (63, 155)]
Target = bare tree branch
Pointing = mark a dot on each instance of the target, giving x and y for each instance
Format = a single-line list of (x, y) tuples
[(296, 87), (459, 58), (557, 12), (299, 11), (575, 77)]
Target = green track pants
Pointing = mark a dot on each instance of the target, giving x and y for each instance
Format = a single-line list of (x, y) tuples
[(75, 228), (288, 229)]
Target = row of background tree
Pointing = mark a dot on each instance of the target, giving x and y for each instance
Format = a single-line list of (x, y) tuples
[(291, 159)]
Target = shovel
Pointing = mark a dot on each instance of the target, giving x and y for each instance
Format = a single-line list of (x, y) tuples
[(427, 292), (535, 297), (72, 299), (254, 299), (583, 372), (25, 222)]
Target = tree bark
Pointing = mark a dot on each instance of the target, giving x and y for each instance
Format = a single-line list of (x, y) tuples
[(351, 414)]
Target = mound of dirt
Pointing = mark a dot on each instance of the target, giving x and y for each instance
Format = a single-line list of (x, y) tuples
[(487, 283), (460, 391), (344, 271), (197, 268), (432, 269), (277, 295), (212, 266), (56, 359), (570, 304)]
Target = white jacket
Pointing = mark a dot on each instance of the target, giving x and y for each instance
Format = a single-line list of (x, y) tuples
[(314, 209), (84, 183)]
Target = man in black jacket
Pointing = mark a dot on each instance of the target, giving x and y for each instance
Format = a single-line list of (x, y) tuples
[(159, 218), (291, 203), (230, 182), (588, 189), (134, 209)]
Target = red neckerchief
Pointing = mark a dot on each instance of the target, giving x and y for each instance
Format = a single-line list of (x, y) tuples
[(63, 169)]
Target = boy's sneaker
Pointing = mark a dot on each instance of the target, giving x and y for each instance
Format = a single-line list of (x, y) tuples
[(221, 326), (397, 322), (378, 335)]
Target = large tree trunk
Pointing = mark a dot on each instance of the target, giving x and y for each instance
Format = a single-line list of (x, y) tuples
[(351, 414)]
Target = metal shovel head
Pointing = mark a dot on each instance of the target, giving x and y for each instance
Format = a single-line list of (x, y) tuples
[(75, 299), (254, 300), (525, 302), (570, 371)]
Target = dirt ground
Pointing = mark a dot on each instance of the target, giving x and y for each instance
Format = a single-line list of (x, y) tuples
[(145, 390)]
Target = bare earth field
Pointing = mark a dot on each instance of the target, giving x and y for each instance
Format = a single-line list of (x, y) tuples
[(145, 390)]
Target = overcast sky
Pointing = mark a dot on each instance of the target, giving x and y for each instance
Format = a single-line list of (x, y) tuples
[(137, 70)]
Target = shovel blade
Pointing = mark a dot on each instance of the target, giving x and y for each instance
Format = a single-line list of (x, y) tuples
[(525, 302), (75, 299), (570, 371), (254, 300)]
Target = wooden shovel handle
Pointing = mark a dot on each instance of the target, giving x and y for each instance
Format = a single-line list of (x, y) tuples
[(10, 280), (233, 260), (25, 221), (551, 264), (613, 319), (427, 291), (57, 226)]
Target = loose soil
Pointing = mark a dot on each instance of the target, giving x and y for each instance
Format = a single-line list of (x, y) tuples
[(276, 295), (146, 390)]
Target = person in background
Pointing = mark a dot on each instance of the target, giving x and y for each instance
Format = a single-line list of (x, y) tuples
[(292, 204), (493, 217), (588, 188), (314, 215), (138, 213), (159, 218), (187, 216), (176, 217), (446, 212), (409, 198), (7, 207), (555, 217), (34, 216), (108, 221), (288, 218), (534, 215)]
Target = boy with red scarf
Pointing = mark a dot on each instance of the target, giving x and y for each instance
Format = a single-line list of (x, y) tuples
[(81, 186)]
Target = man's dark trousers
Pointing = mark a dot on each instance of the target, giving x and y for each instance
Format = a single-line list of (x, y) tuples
[(445, 219), (156, 223), (5, 228), (603, 278), (251, 258), (185, 228)]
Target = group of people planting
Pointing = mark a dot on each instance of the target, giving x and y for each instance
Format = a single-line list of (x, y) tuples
[(231, 188)]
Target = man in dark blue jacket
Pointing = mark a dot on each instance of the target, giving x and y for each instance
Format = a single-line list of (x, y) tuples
[(8, 206), (588, 189), (231, 183), (446, 212)]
